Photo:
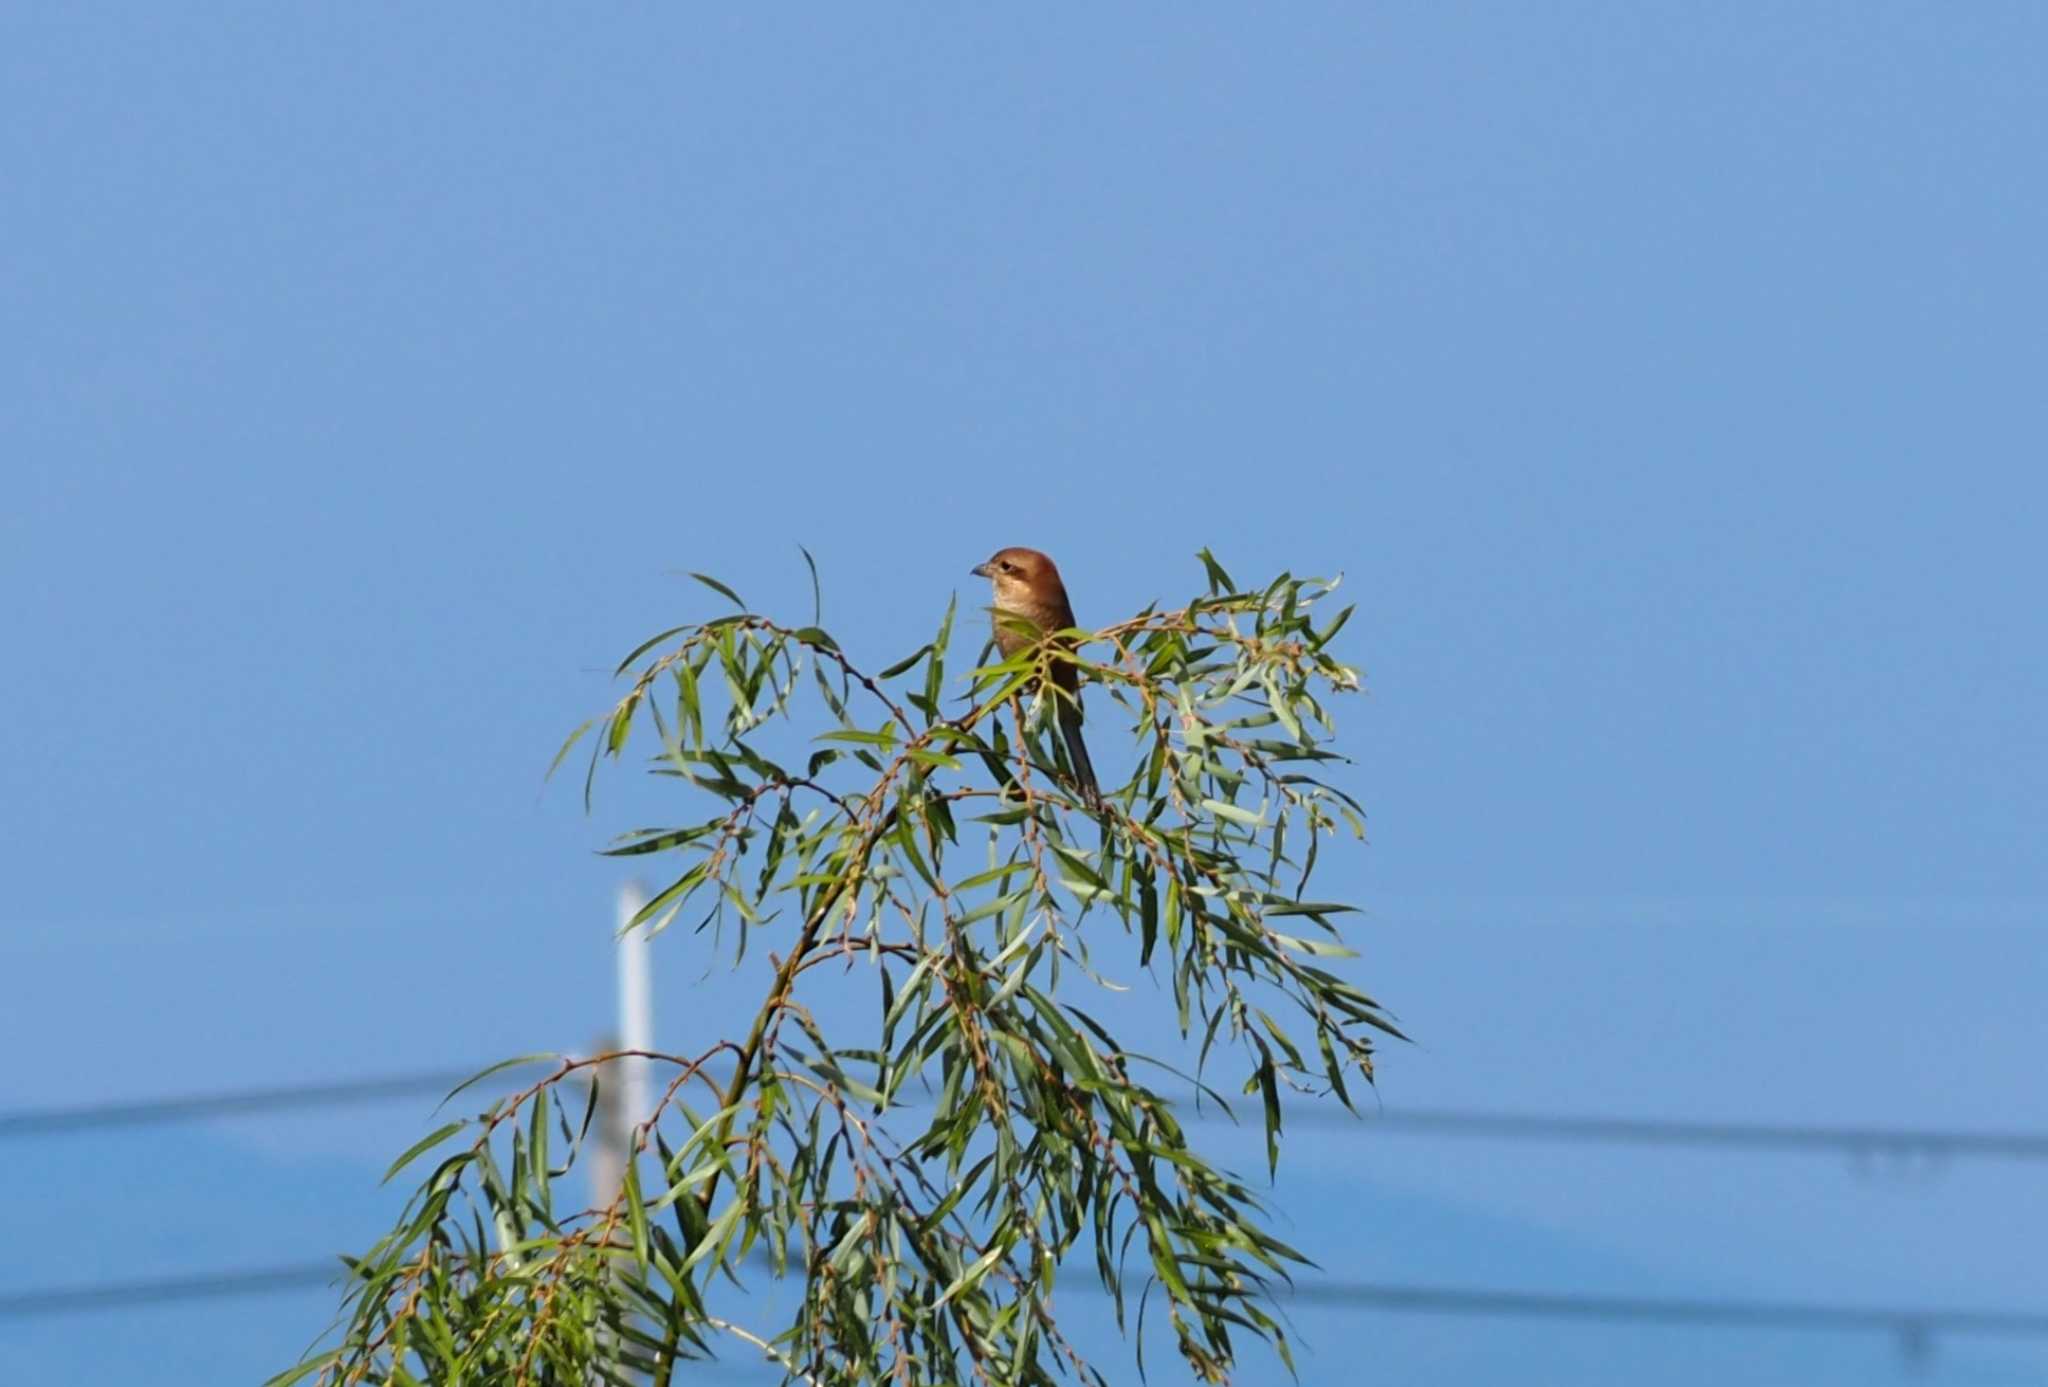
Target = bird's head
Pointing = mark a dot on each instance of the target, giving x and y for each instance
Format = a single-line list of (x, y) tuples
[(1022, 579)]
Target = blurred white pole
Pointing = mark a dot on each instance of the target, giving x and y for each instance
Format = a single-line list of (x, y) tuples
[(623, 1102), (622, 1087), (636, 1010)]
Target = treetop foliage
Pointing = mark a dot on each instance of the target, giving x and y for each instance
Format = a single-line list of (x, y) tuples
[(921, 1181)]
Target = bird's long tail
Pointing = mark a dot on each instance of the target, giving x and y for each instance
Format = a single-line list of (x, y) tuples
[(1077, 751)]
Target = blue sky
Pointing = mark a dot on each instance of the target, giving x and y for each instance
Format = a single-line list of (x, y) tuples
[(1664, 380)]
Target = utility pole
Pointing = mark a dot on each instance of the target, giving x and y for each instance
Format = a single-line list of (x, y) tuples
[(636, 1007), (623, 1102)]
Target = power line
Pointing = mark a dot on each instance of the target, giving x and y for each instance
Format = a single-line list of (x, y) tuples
[(1763, 1136), (1928, 1142), (1443, 1300), (29, 1122), (1761, 1314), (123, 1295)]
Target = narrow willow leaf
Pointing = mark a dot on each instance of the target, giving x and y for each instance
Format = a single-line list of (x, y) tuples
[(420, 1147), (716, 1234), (1331, 631), (905, 663), (1163, 1260), (1148, 918), (537, 1152), (622, 723), (817, 592), (979, 879), (884, 737), (1282, 710), (1219, 581), (1333, 1069), (514, 1063), (1235, 813), (305, 1370), (721, 589), (935, 669), (662, 840), (573, 738), (969, 1278), (647, 645), (670, 898), (1269, 1092), (636, 1207), (996, 906), (1315, 948)]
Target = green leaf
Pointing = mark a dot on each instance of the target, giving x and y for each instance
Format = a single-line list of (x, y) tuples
[(967, 1279), (502, 1065), (662, 840), (304, 1370), (1219, 581), (563, 754), (1314, 948), (994, 907), (675, 893), (1332, 1068), (1277, 701), (905, 663), (721, 589), (817, 593), (622, 723), (935, 671), (1163, 1260), (1335, 626), (716, 1235), (636, 1207), (647, 645), (1269, 1091), (1235, 813), (1002, 873), (424, 1144), (886, 737), (537, 1150)]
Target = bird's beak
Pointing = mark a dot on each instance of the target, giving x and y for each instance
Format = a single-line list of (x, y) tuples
[(980, 570)]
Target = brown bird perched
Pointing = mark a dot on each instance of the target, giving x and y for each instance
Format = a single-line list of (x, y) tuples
[(1027, 585)]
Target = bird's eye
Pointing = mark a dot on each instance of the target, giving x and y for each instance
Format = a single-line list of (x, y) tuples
[(1006, 566)]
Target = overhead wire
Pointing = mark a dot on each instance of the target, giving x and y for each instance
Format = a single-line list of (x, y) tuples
[(1854, 1140), (1389, 1296)]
